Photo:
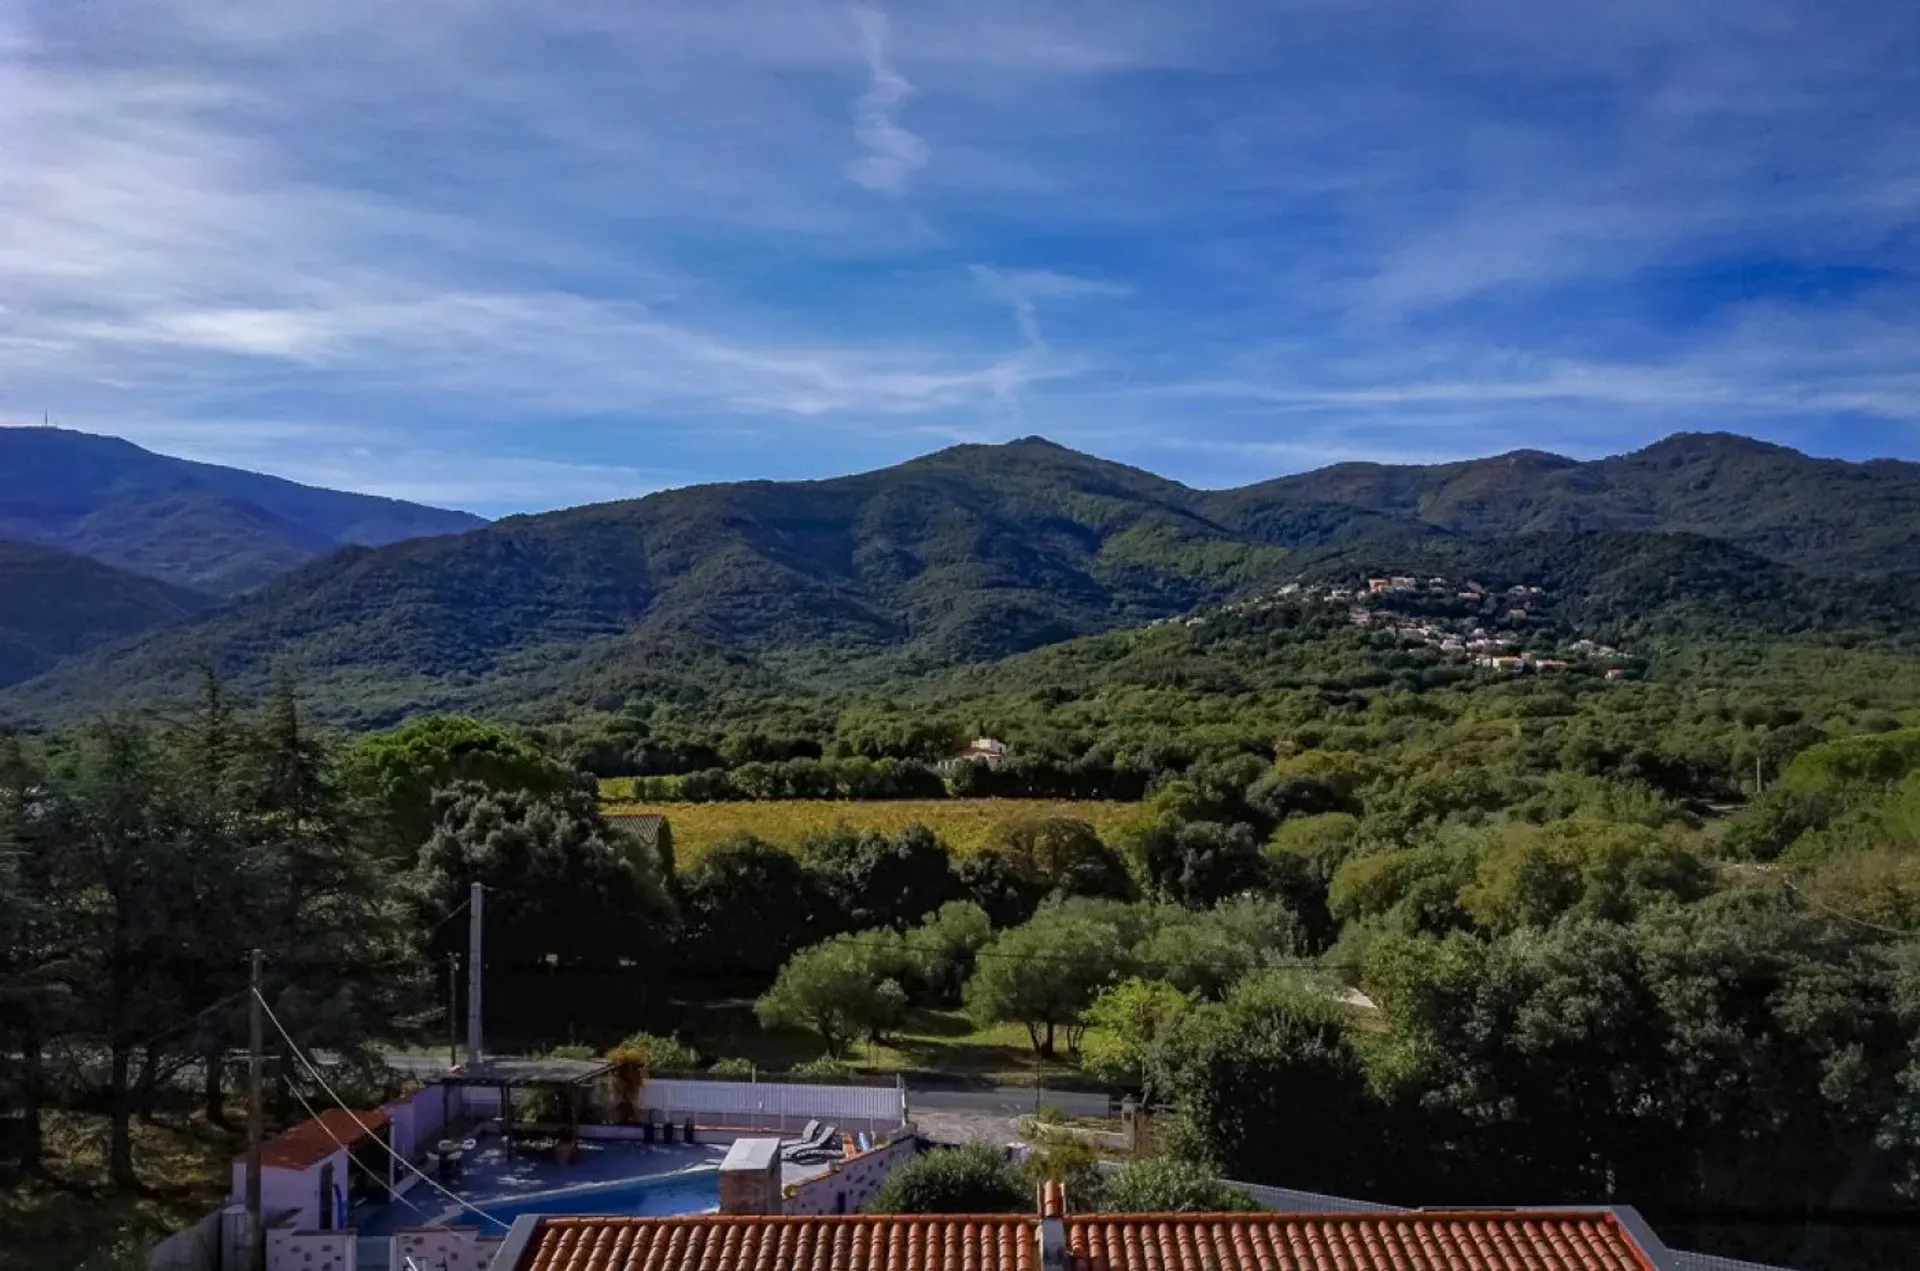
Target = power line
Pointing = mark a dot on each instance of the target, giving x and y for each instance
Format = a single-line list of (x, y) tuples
[(1274, 964), (351, 1158), (1831, 912), (197, 1016), (457, 911), (321, 1081)]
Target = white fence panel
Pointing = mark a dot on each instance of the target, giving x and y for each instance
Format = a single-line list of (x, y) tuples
[(195, 1249), (775, 1105), (1285, 1200), (1684, 1261)]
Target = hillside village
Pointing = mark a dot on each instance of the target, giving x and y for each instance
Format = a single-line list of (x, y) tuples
[(1500, 629)]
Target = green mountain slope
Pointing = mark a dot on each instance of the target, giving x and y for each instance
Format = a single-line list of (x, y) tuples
[(54, 604), (1818, 514), (218, 530), (967, 555)]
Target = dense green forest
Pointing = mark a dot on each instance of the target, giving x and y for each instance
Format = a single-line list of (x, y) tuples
[(54, 604)]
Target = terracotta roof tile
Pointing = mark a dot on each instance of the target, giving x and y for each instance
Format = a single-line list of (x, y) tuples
[(645, 826), (991, 1242), (315, 1140), (1490, 1240)]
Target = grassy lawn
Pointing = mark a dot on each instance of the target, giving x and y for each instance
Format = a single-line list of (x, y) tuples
[(963, 824), (56, 1223), (943, 1041)]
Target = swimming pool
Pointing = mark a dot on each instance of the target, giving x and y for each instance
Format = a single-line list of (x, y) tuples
[(615, 1179), (697, 1192)]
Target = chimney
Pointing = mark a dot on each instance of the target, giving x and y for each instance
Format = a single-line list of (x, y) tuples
[(750, 1178), (1053, 1226)]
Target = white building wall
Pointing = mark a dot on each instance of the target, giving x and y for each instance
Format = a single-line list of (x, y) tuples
[(284, 1190), (417, 1119)]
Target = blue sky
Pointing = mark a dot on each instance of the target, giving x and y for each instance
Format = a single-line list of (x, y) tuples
[(510, 256)]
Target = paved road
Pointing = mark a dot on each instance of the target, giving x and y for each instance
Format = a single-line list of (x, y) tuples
[(993, 1115)]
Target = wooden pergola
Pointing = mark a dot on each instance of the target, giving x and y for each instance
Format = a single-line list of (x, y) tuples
[(566, 1077)]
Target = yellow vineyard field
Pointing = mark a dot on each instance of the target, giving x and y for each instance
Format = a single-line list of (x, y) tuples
[(963, 824)]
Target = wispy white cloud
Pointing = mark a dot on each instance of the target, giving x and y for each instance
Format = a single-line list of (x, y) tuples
[(559, 352), (1021, 290), (497, 221), (894, 154)]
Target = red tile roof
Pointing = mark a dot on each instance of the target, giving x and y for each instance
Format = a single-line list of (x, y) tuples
[(1469, 1240), (313, 1141), (1053, 1199), (1484, 1240), (991, 1242)]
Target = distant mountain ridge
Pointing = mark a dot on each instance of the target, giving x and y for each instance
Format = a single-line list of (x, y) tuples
[(1819, 514), (977, 552), (216, 530)]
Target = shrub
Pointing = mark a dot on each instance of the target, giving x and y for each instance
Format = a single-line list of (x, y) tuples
[(974, 1179), (732, 1069), (1162, 1185), (826, 1067), (660, 1054), (1129, 1021), (1073, 1164), (629, 1077)]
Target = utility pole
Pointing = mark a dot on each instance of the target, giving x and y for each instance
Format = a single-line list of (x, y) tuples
[(256, 1073), (1759, 786), (473, 975), (453, 1010)]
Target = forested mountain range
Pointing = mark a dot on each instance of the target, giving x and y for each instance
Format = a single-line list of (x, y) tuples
[(978, 552), (217, 530), (54, 604), (1818, 514)]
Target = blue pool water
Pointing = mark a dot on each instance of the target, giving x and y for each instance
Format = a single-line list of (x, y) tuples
[(616, 1179), (696, 1193)]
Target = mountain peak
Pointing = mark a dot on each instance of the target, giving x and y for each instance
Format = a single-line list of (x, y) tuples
[(1529, 458), (1692, 445)]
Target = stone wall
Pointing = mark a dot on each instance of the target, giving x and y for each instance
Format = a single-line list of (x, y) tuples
[(293, 1249), (446, 1248), (851, 1183)]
